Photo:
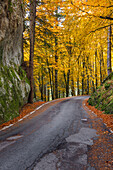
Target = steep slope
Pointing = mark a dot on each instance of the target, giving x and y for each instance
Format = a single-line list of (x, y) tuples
[(14, 86), (103, 96)]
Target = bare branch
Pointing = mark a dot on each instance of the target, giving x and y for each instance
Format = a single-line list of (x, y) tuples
[(97, 6), (89, 14)]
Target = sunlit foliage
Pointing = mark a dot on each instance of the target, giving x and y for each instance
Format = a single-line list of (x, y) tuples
[(70, 40)]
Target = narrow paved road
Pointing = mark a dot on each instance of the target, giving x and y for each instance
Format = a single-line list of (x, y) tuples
[(22, 145)]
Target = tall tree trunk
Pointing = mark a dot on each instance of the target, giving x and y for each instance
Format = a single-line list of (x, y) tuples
[(51, 85), (96, 68), (72, 87), (83, 77), (50, 80), (93, 87), (48, 93), (101, 53), (42, 87), (104, 68), (109, 69), (56, 70), (45, 92), (59, 94), (87, 81), (53, 96), (32, 40), (63, 94), (78, 90), (87, 84), (67, 84)]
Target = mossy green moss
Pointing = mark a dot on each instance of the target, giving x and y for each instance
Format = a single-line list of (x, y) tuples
[(103, 96), (13, 91), (1, 53)]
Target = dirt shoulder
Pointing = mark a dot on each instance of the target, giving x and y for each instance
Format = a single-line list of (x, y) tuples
[(100, 154), (107, 118)]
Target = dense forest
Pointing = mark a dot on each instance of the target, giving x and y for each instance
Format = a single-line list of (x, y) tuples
[(67, 46), (64, 46)]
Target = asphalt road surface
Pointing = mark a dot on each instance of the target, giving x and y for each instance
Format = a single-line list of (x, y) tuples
[(22, 145)]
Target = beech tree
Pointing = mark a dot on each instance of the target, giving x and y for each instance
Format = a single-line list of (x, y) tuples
[(32, 40), (70, 51)]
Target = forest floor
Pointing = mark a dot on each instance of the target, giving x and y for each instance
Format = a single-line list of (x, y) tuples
[(101, 152), (107, 118)]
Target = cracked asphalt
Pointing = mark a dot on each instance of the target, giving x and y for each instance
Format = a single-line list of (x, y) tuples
[(57, 139)]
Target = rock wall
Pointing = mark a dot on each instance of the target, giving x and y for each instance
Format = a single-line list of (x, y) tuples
[(11, 28), (14, 86)]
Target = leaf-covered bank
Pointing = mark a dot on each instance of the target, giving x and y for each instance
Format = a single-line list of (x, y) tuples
[(103, 96)]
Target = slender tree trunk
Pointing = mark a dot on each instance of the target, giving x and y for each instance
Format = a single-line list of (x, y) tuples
[(93, 87), (101, 67), (83, 77), (53, 84), (32, 40), (42, 87), (67, 84), (63, 94), (72, 87), (96, 68), (59, 94), (45, 92), (109, 69), (87, 83), (66, 78), (56, 70), (50, 80), (104, 68), (48, 94), (78, 90)]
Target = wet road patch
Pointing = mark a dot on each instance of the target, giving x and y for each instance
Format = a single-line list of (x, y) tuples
[(16, 137)]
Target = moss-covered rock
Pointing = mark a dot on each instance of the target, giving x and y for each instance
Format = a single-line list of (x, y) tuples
[(103, 96), (14, 86), (14, 91)]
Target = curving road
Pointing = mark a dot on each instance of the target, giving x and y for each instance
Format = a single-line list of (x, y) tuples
[(22, 145)]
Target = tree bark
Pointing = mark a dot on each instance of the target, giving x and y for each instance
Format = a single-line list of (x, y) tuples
[(42, 87), (45, 92), (101, 54), (48, 94), (67, 84), (96, 68), (50, 80), (32, 40), (56, 70), (109, 69), (72, 87), (83, 77), (78, 90), (53, 96)]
